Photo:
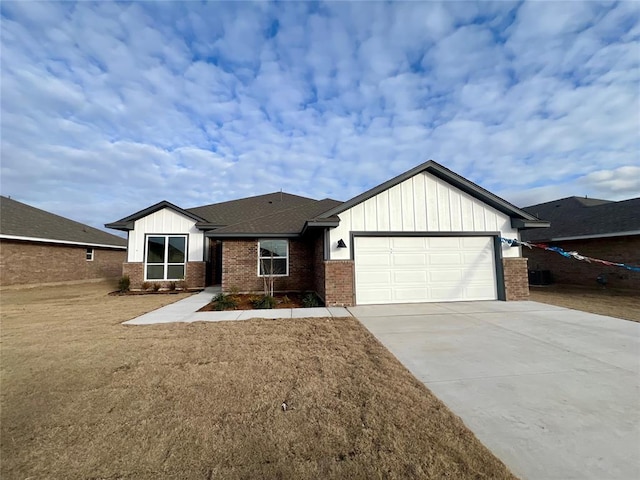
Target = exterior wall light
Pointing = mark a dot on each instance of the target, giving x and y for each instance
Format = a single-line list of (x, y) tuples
[(341, 244)]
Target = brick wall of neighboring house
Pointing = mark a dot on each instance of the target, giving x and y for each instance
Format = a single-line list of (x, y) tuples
[(23, 262), (574, 272), (339, 283), (240, 267), (195, 275), (516, 279)]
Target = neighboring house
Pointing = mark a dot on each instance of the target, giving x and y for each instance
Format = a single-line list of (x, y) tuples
[(594, 228), (426, 235), (39, 247)]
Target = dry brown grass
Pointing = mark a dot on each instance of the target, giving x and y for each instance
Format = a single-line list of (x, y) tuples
[(86, 397), (604, 301)]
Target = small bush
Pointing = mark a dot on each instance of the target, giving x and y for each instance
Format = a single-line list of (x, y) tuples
[(224, 302), (124, 283), (286, 299), (234, 290), (156, 286), (263, 302), (146, 285), (310, 300), (172, 286), (181, 285)]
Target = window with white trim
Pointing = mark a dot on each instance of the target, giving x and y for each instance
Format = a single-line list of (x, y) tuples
[(165, 257), (273, 258), (89, 255)]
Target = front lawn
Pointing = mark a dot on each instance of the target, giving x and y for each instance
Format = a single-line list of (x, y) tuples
[(85, 397), (623, 304)]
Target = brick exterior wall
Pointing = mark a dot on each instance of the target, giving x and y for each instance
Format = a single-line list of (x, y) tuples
[(195, 275), (516, 278), (240, 267), (24, 263), (574, 272), (339, 283), (318, 267)]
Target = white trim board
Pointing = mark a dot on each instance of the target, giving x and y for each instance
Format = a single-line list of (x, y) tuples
[(62, 242)]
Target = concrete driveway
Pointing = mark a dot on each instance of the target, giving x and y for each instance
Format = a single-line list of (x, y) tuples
[(553, 392)]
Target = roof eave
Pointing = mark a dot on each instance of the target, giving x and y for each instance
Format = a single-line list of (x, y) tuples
[(123, 226), (152, 209), (328, 223), (522, 224), (214, 234)]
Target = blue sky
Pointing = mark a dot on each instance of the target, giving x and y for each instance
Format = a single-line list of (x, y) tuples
[(108, 108)]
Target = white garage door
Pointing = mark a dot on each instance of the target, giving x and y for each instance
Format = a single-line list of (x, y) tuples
[(424, 269)]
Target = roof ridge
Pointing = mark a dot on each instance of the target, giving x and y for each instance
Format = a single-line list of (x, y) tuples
[(247, 198)]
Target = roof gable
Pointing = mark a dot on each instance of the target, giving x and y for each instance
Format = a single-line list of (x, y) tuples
[(18, 219), (127, 223), (437, 170)]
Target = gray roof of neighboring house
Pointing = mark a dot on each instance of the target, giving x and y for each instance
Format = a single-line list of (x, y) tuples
[(573, 217), (20, 220)]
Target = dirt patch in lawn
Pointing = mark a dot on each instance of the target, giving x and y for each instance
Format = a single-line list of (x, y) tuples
[(86, 397), (604, 301)]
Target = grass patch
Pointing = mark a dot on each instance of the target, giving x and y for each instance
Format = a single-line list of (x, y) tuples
[(623, 304), (86, 397)]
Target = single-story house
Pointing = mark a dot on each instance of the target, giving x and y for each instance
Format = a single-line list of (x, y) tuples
[(38, 247), (425, 235), (594, 228)]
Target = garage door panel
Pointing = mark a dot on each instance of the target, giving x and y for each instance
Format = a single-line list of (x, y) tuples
[(373, 278), (408, 243), (375, 260), (424, 269), (402, 259), (445, 259), (409, 277)]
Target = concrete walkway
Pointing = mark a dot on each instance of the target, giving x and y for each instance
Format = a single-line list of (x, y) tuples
[(186, 310), (553, 392)]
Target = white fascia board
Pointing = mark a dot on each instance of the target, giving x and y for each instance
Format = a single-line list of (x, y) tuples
[(62, 242), (602, 235)]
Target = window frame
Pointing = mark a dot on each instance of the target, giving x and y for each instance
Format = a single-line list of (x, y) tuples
[(166, 264), (89, 254), (286, 274)]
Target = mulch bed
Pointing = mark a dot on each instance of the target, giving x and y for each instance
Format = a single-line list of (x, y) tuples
[(148, 292), (283, 300)]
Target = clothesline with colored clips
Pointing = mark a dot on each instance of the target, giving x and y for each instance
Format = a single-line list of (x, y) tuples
[(575, 255)]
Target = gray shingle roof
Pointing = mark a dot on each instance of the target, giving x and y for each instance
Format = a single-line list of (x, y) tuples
[(233, 211), (22, 220), (289, 221), (583, 217)]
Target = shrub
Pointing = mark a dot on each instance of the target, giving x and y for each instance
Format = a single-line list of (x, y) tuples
[(310, 300), (124, 283), (286, 299), (234, 290), (181, 284), (172, 286), (224, 302), (263, 302), (146, 285), (156, 286)]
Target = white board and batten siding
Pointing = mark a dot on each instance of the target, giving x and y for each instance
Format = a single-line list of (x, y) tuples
[(165, 222), (422, 203)]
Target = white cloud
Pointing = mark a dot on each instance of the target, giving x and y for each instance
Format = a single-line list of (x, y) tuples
[(108, 108)]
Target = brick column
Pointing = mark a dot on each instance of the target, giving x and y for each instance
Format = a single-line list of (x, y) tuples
[(196, 275), (135, 271), (339, 283), (516, 278)]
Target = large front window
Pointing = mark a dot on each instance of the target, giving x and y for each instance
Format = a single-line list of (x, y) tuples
[(273, 258), (166, 257)]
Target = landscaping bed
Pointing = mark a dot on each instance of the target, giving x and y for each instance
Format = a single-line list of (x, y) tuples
[(243, 301)]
